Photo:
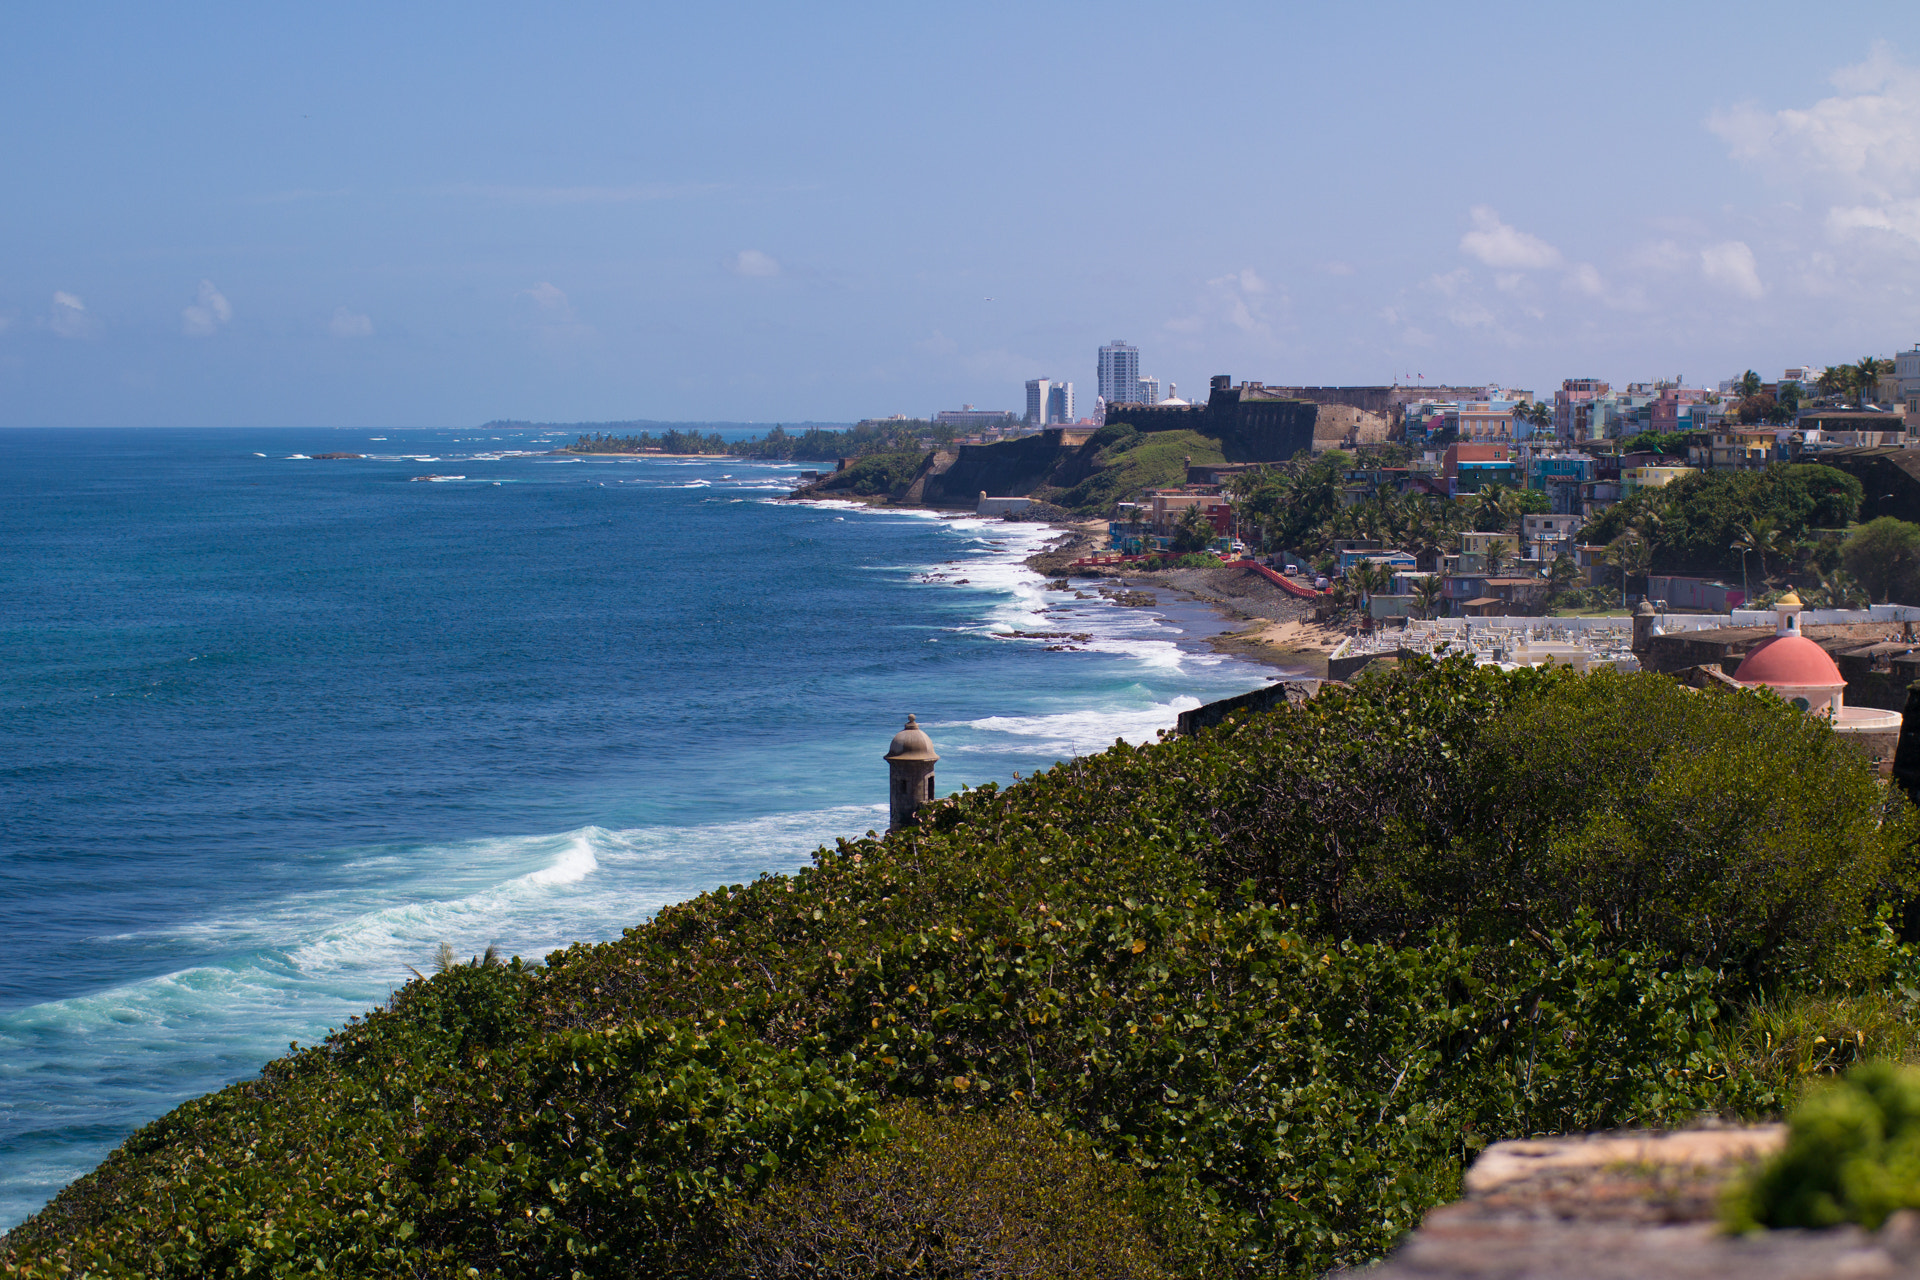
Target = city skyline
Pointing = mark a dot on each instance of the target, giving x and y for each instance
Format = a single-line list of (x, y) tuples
[(288, 219)]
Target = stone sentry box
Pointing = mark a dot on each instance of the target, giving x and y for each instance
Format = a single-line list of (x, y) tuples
[(910, 762)]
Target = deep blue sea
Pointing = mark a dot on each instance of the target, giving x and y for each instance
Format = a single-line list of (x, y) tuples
[(276, 728)]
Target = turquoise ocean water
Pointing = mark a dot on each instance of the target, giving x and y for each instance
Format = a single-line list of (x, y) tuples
[(275, 728)]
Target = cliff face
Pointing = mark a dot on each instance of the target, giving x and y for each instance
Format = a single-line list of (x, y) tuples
[(1012, 468)]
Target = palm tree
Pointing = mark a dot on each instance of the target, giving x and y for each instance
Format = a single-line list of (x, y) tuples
[(1563, 574), (1496, 558), (1834, 380), (1750, 384), (1426, 595), (1633, 556), (1843, 590), (1762, 536), (1368, 579), (1866, 374)]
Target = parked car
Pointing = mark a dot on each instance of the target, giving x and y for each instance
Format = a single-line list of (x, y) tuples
[(1291, 571)]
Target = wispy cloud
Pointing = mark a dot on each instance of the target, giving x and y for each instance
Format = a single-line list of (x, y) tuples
[(1503, 247), (350, 324), (550, 301), (1731, 266), (70, 317), (204, 317), (752, 262), (1858, 151), (1243, 300)]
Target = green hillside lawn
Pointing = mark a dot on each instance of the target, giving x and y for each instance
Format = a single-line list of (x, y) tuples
[(1129, 463), (1243, 1004)]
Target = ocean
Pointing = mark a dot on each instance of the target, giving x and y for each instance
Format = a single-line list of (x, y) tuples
[(277, 727)]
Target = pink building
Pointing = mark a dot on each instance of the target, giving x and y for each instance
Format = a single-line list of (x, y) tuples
[(1574, 391), (1664, 413)]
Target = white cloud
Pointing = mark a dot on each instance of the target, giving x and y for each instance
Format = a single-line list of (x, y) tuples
[(752, 262), (70, 318), (1868, 134), (350, 324), (1585, 278), (1731, 266), (207, 315), (1507, 248), (550, 300), (1859, 150), (1240, 298)]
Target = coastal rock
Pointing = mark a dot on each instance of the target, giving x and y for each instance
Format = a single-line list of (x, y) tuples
[(327, 457)]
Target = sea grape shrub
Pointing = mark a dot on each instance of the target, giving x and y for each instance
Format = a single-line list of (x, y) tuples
[(1852, 1155), (582, 1153), (1727, 830), (615, 1152), (1293, 1018), (1001, 1195)]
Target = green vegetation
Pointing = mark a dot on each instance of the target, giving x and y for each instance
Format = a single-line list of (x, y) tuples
[(1127, 463), (954, 1195), (877, 475), (1672, 443), (1884, 557), (1240, 1004), (1698, 522), (671, 440), (816, 444), (1852, 1155)]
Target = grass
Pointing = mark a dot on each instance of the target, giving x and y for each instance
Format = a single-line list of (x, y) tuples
[(1796, 1042)]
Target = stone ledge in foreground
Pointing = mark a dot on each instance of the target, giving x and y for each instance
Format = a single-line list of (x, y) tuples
[(1631, 1206)]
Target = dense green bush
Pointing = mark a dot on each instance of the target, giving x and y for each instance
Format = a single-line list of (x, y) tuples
[(994, 1195), (878, 474), (1288, 975), (1884, 554), (1725, 829), (1852, 1155)]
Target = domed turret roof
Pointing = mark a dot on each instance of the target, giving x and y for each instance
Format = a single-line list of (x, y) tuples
[(1790, 660), (911, 743)]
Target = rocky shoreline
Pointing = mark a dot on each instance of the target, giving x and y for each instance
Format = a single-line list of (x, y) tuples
[(1277, 629)]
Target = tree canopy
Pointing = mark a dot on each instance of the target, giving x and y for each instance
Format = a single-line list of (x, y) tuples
[(1694, 522), (1884, 555)]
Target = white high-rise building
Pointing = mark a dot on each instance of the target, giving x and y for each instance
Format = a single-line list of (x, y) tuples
[(1148, 391), (1119, 373), (1060, 404), (1037, 401)]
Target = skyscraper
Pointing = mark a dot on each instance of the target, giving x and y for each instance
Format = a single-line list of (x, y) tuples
[(1037, 401), (1119, 373), (1147, 391), (1060, 404)]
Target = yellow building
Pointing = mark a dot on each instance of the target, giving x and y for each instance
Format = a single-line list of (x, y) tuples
[(1633, 479)]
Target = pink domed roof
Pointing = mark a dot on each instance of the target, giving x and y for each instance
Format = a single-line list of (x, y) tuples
[(1789, 660)]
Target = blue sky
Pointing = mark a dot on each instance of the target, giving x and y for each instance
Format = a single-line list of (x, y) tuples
[(348, 215)]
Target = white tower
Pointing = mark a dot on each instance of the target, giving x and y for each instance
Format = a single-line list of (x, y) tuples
[(910, 762), (1037, 389), (1119, 373)]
